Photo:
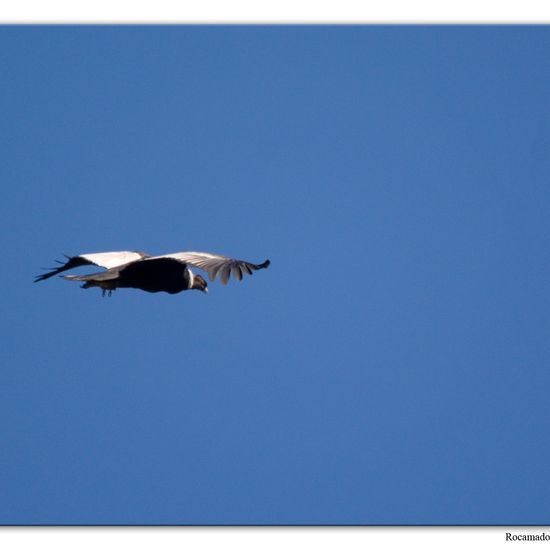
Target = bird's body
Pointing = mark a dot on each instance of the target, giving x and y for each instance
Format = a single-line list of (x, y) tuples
[(168, 273), (163, 275)]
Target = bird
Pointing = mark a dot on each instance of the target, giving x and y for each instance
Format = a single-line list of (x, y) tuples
[(166, 273)]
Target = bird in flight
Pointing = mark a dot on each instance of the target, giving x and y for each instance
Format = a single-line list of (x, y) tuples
[(167, 273)]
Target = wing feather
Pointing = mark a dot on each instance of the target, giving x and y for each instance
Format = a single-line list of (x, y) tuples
[(216, 264), (236, 272)]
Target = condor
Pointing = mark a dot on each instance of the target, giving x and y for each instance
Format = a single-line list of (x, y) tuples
[(168, 273)]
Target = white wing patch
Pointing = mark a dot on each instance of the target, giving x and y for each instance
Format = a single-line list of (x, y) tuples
[(107, 260), (112, 259)]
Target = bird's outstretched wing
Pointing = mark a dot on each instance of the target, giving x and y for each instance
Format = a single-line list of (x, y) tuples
[(102, 259), (216, 264)]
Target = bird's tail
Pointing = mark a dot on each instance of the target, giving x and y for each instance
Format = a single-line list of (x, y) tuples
[(94, 277), (104, 280)]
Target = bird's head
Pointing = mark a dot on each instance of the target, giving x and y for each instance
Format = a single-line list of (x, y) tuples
[(199, 284)]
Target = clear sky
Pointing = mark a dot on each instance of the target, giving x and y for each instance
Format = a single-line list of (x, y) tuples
[(392, 364)]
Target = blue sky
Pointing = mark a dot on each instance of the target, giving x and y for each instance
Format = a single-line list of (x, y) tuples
[(392, 364)]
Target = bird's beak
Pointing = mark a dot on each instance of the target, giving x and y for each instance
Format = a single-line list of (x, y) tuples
[(205, 290)]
